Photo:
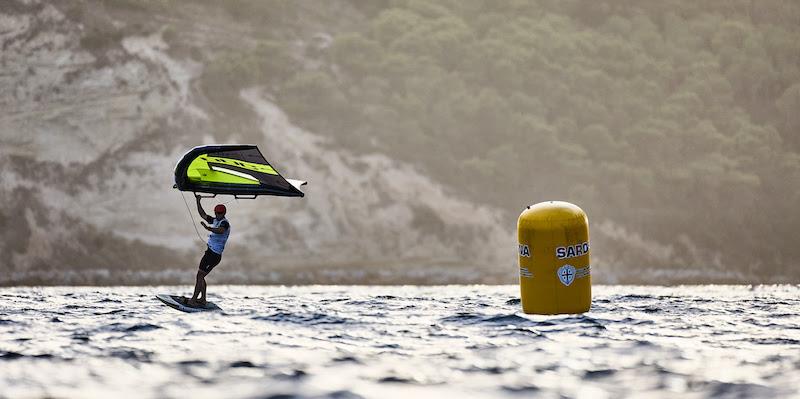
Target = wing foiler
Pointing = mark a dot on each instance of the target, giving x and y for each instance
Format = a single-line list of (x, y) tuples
[(232, 169)]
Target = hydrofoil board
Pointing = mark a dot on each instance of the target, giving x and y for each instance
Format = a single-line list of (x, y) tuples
[(179, 303)]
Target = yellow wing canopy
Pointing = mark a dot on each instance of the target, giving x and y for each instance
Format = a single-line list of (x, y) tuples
[(239, 170)]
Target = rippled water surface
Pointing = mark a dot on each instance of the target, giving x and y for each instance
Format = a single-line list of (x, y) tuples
[(399, 342)]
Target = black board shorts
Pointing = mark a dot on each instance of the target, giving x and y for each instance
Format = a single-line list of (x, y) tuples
[(210, 260)]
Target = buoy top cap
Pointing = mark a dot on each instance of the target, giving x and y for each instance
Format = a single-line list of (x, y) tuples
[(553, 211)]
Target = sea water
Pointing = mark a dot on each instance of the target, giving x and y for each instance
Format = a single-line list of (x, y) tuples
[(399, 342)]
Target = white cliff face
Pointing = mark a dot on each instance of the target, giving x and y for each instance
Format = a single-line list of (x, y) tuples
[(181, 73), (372, 207), (86, 153), (63, 105), (75, 129)]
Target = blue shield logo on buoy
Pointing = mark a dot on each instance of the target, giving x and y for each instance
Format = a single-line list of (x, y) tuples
[(566, 274)]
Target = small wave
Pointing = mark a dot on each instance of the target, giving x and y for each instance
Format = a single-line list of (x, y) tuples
[(643, 343), (346, 359), (586, 321), (494, 370), (344, 395), (10, 355), (187, 363), (782, 315), (635, 322), (774, 341), (499, 319), (595, 374), (291, 375), (334, 300), (522, 331), (468, 318), (142, 327), (740, 390), (110, 312), (520, 321), (393, 379), (521, 388), (131, 354), (635, 297), (121, 327), (81, 337), (280, 396), (507, 319), (365, 303), (242, 364), (770, 324), (346, 338), (305, 319)]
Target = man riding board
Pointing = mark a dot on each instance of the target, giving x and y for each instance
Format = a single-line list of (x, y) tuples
[(220, 230)]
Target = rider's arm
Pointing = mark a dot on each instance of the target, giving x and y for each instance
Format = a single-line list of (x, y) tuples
[(201, 211)]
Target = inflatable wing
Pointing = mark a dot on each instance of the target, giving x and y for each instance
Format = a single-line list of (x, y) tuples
[(233, 169)]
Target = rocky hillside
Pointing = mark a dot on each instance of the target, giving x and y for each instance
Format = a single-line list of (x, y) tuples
[(98, 103), (98, 100)]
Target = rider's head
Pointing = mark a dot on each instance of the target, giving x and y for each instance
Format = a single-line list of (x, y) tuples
[(220, 210)]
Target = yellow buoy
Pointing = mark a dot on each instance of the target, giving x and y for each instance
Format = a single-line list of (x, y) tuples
[(554, 274)]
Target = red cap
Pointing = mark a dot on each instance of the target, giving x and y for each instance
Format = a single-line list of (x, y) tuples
[(220, 209)]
